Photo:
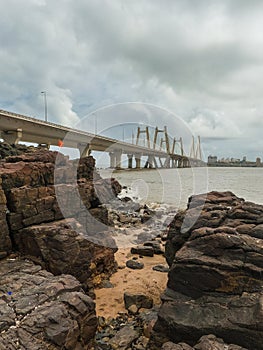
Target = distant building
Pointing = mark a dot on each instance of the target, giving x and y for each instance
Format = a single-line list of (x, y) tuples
[(212, 159), (233, 162)]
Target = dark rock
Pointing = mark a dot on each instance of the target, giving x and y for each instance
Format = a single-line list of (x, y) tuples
[(5, 241), (215, 280), (140, 300), (211, 342), (63, 248), (142, 250), (126, 199), (155, 245), (146, 236), (134, 264), (43, 311), (161, 268)]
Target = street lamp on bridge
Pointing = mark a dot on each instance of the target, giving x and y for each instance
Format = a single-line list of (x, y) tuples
[(45, 103)]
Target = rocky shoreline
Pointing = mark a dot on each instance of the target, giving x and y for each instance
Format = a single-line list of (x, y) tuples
[(68, 243)]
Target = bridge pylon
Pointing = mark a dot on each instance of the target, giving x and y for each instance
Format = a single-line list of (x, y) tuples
[(198, 152), (146, 132)]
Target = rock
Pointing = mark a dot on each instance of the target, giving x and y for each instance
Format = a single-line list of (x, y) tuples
[(124, 338), (134, 264), (161, 268), (146, 236), (215, 281), (155, 245), (181, 346), (141, 343), (142, 250), (132, 309), (207, 342), (211, 342), (42, 188), (43, 311), (5, 241), (63, 248), (140, 300)]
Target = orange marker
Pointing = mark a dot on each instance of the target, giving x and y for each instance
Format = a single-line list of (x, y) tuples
[(60, 143)]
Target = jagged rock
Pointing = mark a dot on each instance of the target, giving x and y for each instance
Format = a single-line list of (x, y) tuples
[(215, 280), (206, 342), (5, 241), (40, 311), (211, 342), (140, 300), (43, 187), (135, 265), (143, 250), (123, 339), (7, 150), (63, 248)]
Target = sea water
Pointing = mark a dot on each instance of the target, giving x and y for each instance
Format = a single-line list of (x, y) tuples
[(174, 186)]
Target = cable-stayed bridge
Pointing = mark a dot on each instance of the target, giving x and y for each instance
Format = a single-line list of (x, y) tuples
[(16, 127)]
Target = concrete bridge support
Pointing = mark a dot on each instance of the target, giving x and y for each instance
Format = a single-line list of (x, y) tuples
[(167, 163), (150, 162), (118, 159), (84, 149), (112, 160), (130, 156), (137, 161), (174, 163), (115, 159), (12, 136)]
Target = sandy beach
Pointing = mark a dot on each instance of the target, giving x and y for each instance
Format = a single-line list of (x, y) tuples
[(109, 301)]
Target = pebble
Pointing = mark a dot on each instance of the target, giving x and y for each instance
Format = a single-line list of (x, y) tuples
[(134, 264), (161, 268)]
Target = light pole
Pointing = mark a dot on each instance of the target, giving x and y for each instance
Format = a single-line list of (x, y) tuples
[(45, 103), (95, 123)]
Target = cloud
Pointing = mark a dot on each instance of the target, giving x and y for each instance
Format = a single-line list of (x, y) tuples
[(201, 60)]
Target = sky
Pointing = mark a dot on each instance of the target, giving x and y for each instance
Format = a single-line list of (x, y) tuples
[(197, 63)]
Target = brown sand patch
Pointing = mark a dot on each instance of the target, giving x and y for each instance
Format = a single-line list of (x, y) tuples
[(109, 301)]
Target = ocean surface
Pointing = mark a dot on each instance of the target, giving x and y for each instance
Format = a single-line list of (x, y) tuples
[(174, 186)]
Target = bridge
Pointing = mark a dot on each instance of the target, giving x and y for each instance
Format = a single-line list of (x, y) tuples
[(16, 127)]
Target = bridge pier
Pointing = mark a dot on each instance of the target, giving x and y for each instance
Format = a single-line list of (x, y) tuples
[(150, 162), (118, 155), (115, 159), (112, 160), (174, 163), (84, 149), (12, 136), (167, 162), (130, 156), (137, 161)]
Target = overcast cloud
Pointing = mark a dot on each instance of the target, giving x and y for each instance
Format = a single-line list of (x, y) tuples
[(199, 59)]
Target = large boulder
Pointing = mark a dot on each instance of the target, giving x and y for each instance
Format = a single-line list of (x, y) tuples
[(215, 282), (39, 190), (40, 311), (63, 248)]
